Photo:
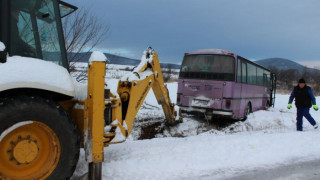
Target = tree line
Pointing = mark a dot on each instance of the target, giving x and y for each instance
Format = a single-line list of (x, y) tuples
[(288, 78)]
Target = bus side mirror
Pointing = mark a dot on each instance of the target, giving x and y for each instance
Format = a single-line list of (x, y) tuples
[(3, 53)]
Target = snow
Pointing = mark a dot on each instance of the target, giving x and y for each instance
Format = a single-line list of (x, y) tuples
[(267, 139), (177, 110), (97, 56), (215, 156), (22, 72), (135, 74), (81, 91), (119, 136), (211, 51), (144, 59), (2, 46)]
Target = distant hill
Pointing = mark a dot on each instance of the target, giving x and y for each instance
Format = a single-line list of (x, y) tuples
[(282, 64), (114, 59), (279, 63)]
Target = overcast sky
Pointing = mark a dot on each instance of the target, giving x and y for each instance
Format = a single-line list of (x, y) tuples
[(255, 29)]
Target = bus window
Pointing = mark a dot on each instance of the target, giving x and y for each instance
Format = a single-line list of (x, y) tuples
[(239, 71), (267, 80), (203, 66), (208, 63), (244, 73), (252, 74), (260, 76)]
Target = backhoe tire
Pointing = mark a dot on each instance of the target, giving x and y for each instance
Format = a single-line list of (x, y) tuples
[(38, 140)]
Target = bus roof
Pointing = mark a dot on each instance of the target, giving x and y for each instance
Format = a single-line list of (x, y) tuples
[(211, 51)]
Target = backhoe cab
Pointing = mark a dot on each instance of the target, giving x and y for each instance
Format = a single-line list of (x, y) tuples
[(42, 119), (32, 28)]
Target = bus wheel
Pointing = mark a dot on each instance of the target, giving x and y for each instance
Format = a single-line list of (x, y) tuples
[(267, 104), (38, 140), (248, 111)]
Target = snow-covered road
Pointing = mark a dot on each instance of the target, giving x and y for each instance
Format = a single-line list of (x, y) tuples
[(207, 155), (267, 140), (294, 171)]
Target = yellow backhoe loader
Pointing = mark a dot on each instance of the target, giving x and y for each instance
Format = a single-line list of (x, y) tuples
[(43, 120)]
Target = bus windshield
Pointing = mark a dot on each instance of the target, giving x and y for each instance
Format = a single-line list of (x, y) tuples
[(202, 66)]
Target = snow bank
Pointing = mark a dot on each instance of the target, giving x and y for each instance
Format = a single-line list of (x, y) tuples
[(206, 155)]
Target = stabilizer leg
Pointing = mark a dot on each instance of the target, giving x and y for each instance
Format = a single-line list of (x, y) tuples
[(95, 171)]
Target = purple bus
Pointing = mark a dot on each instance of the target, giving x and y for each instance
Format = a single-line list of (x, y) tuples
[(219, 83)]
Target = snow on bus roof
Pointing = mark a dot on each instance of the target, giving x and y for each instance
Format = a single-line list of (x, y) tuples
[(212, 51)]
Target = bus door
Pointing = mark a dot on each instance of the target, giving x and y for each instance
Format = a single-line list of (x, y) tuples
[(273, 89)]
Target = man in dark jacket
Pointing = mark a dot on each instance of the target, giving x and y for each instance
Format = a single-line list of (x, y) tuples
[(304, 99)]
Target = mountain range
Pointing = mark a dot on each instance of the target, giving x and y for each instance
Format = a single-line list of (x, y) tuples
[(279, 63), (115, 59), (283, 64)]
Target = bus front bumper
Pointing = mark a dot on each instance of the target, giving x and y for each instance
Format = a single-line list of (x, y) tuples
[(202, 110)]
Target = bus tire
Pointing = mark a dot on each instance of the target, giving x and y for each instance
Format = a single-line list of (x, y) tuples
[(38, 139), (248, 111), (268, 104)]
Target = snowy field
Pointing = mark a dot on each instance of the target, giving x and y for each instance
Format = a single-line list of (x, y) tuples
[(115, 71), (198, 150)]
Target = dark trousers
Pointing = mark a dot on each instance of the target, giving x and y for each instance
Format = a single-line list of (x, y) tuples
[(304, 112)]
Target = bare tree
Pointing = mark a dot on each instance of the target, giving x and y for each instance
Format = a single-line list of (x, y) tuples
[(167, 72), (274, 69), (82, 32), (305, 72)]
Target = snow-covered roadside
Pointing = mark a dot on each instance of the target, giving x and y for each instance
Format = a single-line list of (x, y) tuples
[(216, 156), (267, 139)]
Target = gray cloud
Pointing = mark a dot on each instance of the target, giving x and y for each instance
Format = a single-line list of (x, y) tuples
[(255, 29)]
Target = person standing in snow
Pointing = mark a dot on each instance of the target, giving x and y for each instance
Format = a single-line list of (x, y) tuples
[(304, 99)]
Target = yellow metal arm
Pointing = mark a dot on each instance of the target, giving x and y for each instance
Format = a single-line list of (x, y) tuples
[(133, 89), (161, 91), (95, 127)]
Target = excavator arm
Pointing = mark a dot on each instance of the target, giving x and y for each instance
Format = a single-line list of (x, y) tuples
[(100, 129), (134, 87)]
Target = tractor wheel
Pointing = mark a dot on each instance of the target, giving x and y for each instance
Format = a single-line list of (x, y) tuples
[(38, 140)]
